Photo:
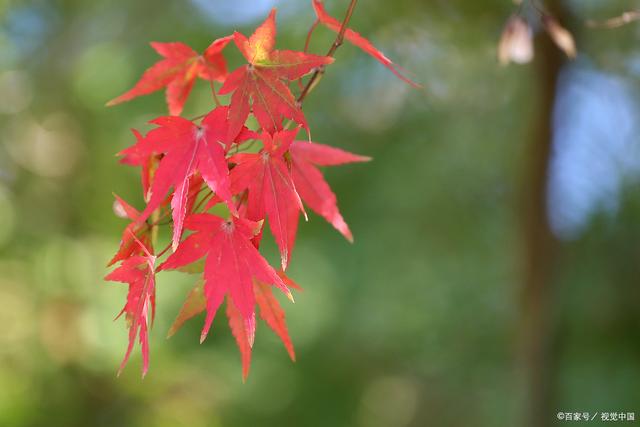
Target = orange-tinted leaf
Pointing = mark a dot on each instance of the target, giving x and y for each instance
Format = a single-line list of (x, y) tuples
[(272, 313), (288, 281), (261, 84), (237, 323), (194, 304)]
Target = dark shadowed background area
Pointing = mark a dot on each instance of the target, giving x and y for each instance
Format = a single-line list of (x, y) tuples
[(494, 278)]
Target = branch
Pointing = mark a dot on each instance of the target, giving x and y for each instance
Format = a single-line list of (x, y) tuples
[(618, 21), (317, 75)]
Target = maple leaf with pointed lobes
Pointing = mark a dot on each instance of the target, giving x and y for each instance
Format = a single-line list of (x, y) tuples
[(138, 272), (271, 190), (146, 162), (273, 314), (194, 304), (179, 159), (311, 185), (187, 148), (356, 39), (232, 263), (195, 187), (270, 311), (288, 281), (178, 71), (261, 84), (128, 244), (239, 331)]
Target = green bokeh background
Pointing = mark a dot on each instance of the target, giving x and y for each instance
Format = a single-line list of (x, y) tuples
[(418, 323)]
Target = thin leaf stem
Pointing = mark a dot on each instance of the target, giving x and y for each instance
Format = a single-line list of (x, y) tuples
[(309, 34), (204, 199), (215, 95), (164, 251), (306, 46), (317, 74)]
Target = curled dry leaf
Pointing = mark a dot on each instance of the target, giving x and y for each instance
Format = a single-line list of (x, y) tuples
[(516, 42), (118, 209), (560, 36)]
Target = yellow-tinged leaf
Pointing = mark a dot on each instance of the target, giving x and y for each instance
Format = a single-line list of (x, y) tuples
[(194, 304)]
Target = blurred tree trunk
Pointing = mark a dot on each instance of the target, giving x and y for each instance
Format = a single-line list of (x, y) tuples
[(540, 246)]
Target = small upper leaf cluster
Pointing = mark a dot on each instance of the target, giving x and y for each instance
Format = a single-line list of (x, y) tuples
[(188, 167)]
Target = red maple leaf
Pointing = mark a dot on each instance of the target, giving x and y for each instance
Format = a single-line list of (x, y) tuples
[(179, 159), (261, 84), (310, 183), (138, 272), (273, 314), (187, 149), (232, 263), (356, 39), (178, 71), (243, 340), (146, 162), (194, 304), (128, 245), (271, 191), (270, 311)]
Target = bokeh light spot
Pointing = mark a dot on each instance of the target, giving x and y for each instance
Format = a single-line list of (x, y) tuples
[(15, 92), (99, 72), (51, 148)]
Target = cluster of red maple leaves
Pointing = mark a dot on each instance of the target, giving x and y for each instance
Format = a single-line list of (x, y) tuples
[(192, 167)]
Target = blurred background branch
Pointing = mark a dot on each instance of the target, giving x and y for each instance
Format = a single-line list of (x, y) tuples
[(538, 327), (617, 21)]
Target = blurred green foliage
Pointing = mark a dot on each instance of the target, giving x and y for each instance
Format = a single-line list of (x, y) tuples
[(414, 324)]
